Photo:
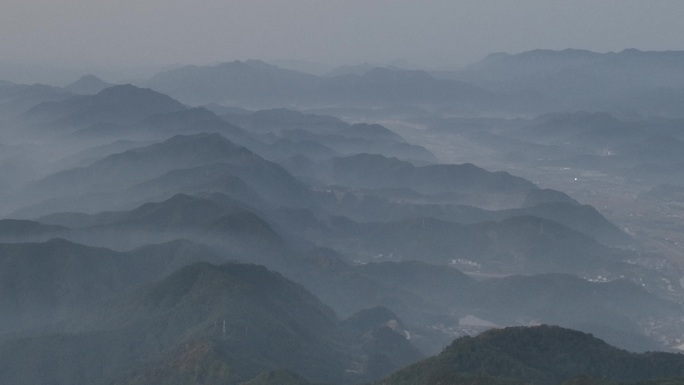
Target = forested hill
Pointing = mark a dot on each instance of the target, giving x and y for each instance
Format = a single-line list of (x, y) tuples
[(547, 355)]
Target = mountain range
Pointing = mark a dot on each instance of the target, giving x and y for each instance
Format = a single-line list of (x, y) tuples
[(242, 223), (642, 81)]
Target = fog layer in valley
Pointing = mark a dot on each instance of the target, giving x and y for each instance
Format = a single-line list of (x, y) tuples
[(216, 223)]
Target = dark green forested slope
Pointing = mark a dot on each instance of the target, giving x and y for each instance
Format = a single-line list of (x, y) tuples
[(539, 355), (172, 332)]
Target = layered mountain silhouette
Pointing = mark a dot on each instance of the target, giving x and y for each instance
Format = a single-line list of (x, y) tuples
[(254, 83), (400, 204), (654, 68), (17, 230), (216, 220), (282, 119), (395, 86), (607, 309), (123, 104), (364, 139), (514, 245), (366, 196), (376, 171), (322, 137), (57, 281), (125, 170), (234, 83), (583, 79), (422, 293), (223, 324), (15, 99)]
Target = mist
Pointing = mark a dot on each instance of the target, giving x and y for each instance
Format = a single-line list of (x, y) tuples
[(52, 41), (341, 192)]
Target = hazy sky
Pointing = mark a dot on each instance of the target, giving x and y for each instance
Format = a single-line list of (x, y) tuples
[(433, 33)]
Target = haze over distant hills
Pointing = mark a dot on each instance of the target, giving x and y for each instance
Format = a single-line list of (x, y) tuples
[(88, 85), (242, 223), (630, 81), (257, 84)]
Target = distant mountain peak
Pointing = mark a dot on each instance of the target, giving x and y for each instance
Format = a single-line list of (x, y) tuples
[(127, 91), (88, 85), (395, 74), (120, 104)]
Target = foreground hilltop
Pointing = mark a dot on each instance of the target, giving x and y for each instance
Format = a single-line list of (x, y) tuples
[(538, 355), (230, 321)]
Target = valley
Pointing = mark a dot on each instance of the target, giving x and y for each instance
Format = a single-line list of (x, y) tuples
[(246, 223)]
